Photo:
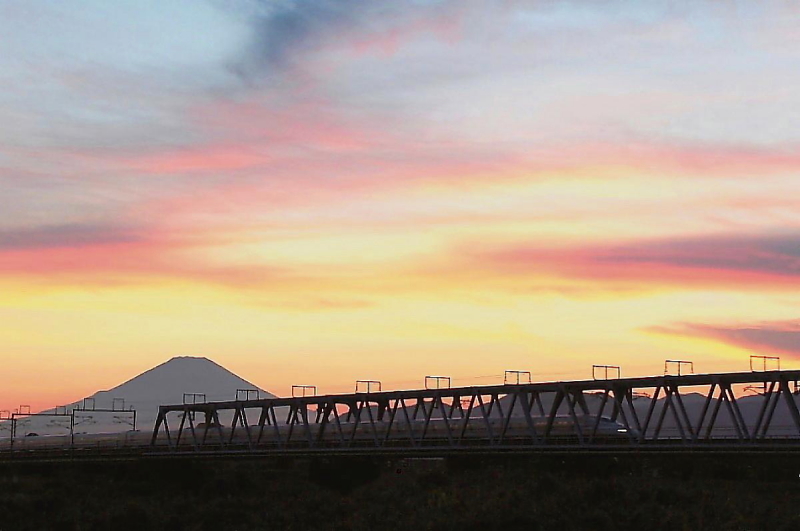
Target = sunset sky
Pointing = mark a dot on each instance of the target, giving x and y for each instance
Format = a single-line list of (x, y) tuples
[(311, 192)]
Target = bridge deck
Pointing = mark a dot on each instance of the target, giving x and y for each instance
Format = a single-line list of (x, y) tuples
[(644, 382), (582, 413)]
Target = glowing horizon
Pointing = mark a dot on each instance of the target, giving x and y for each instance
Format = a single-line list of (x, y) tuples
[(316, 192)]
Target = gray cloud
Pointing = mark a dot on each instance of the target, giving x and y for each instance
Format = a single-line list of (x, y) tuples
[(300, 24), (70, 235), (739, 260), (781, 337), (284, 31), (772, 254)]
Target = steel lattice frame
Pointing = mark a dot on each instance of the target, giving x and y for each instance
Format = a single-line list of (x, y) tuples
[(488, 417)]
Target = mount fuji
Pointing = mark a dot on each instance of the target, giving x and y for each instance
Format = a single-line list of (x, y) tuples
[(164, 384)]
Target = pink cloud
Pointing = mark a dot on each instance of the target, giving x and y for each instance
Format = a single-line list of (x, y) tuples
[(447, 26), (208, 159), (769, 261), (309, 122), (666, 157), (776, 337), (108, 258)]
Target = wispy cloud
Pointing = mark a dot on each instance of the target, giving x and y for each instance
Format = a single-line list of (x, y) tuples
[(66, 236), (447, 164), (730, 261), (91, 255), (284, 32), (776, 337)]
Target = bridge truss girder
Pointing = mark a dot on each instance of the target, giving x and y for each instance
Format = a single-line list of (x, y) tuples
[(489, 417)]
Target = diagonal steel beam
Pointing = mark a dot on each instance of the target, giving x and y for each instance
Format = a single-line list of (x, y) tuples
[(704, 411), (685, 416), (790, 403), (650, 411), (599, 415), (763, 409)]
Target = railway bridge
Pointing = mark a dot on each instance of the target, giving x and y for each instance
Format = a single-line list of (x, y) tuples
[(755, 410)]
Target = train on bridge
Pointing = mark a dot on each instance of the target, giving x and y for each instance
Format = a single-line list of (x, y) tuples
[(435, 431), (686, 411)]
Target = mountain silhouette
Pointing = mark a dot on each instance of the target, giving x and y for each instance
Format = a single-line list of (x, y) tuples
[(166, 383)]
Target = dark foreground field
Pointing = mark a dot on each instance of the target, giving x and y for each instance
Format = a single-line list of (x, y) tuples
[(739, 492)]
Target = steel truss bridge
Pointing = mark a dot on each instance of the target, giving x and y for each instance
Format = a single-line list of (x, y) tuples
[(687, 412)]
